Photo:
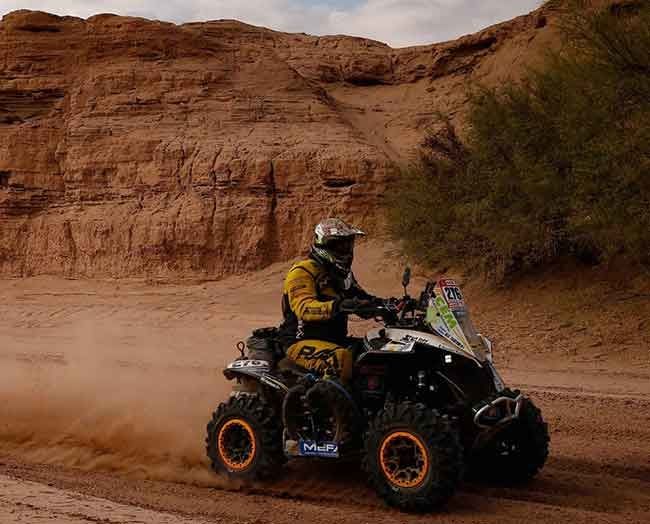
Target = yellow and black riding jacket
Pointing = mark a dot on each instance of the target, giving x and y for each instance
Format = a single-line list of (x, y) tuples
[(309, 302)]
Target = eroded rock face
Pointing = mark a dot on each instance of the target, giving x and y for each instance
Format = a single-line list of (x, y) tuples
[(138, 148)]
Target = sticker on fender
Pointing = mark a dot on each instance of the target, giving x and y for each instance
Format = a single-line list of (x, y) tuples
[(257, 364), (311, 448)]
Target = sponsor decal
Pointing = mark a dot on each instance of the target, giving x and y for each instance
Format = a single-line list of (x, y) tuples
[(269, 380), (405, 346), (446, 313), (256, 364), (443, 321), (442, 330), (311, 448), (411, 338)]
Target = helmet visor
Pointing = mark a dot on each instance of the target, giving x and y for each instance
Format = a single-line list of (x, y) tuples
[(341, 247)]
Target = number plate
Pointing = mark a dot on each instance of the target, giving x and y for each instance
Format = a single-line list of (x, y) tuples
[(452, 294)]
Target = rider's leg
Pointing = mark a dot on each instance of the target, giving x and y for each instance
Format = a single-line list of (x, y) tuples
[(335, 363), (323, 358)]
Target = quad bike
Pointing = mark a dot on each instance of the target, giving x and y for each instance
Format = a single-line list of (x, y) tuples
[(425, 405)]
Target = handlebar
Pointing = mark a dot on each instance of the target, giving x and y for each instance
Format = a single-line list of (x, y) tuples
[(389, 310)]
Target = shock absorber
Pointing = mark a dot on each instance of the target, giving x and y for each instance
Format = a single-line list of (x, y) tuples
[(422, 379)]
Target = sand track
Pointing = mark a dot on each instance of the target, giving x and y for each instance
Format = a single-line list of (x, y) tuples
[(599, 472), (594, 475), (105, 389)]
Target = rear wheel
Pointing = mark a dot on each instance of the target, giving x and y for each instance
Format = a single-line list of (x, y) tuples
[(413, 457), (334, 412), (518, 452), (244, 439)]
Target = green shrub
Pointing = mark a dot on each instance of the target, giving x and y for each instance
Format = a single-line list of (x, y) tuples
[(556, 165)]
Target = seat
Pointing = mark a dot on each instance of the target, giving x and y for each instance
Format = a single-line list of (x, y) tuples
[(286, 364)]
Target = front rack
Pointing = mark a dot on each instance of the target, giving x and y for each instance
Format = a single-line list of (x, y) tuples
[(498, 412)]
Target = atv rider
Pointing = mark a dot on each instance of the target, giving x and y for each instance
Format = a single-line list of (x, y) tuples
[(319, 294)]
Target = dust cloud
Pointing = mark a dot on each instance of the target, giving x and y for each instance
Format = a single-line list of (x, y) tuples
[(125, 379), (123, 376), (81, 407)]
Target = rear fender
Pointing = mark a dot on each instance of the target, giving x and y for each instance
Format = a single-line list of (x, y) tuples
[(246, 366), (258, 370)]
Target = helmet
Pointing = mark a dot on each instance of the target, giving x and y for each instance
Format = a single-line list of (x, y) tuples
[(334, 244)]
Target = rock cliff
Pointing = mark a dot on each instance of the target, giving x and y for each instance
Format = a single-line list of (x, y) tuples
[(131, 147)]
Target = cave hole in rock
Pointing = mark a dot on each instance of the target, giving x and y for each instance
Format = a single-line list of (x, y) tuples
[(4, 179)]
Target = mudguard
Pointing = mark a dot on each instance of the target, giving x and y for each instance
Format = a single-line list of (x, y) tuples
[(259, 370)]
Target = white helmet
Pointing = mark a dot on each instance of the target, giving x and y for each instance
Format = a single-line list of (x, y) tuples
[(334, 244)]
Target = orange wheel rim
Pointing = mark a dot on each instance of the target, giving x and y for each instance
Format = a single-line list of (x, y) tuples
[(404, 459), (236, 442)]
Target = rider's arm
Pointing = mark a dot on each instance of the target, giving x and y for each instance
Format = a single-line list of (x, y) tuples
[(303, 297)]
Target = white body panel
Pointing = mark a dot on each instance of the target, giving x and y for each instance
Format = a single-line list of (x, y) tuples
[(403, 341)]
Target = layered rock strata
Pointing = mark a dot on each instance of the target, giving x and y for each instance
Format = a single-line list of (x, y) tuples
[(131, 147)]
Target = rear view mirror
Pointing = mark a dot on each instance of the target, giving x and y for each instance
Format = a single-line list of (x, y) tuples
[(406, 278)]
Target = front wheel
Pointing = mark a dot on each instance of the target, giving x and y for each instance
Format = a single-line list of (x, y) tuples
[(518, 452), (413, 456), (244, 439)]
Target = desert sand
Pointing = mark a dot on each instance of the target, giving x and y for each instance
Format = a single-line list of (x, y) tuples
[(106, 386)]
